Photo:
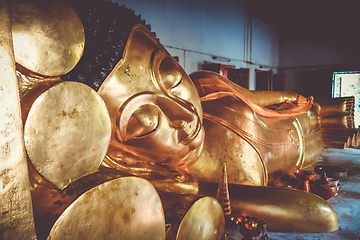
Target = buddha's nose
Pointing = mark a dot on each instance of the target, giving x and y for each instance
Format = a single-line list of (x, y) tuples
[(178, 124), (188, 127), (186, 130), (182, 116)]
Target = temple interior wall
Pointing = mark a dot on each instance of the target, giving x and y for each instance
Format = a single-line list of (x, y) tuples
[(195, 31), (309, 57)]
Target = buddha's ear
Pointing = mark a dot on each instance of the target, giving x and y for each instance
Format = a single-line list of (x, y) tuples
[(134, 73), (137, 56), (142, 40)]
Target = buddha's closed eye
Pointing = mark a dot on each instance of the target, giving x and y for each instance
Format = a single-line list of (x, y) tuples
[(170, 75), (144, 121)]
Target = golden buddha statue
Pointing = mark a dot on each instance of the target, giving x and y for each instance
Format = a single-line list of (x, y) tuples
[(147, 121), (262, 136), (164, 78)]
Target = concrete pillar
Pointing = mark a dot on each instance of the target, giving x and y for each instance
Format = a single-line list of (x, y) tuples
[(16, 221)]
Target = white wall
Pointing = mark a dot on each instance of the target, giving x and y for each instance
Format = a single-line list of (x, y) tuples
[(196, 30), (265, 44)]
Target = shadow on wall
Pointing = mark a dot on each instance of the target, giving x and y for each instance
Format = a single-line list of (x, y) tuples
[(316, 83)]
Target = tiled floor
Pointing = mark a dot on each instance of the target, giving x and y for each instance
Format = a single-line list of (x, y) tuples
[(346, 203)]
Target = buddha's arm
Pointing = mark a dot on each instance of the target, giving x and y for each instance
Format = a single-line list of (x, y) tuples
[(266, 98), (261, 98)]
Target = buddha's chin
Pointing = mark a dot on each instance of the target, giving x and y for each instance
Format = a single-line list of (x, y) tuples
[(195, 148), (191, 157)]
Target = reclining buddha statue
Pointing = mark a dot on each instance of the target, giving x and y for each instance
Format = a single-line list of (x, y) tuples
[(149, 96), (258, 144), (90, 152)]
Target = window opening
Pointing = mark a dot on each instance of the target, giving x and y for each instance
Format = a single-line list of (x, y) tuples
[(346, 84)]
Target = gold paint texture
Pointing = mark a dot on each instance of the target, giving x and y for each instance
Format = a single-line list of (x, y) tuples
[(282, 209), (222, 194), (190, 216), (134, 92), (50, 202), (48, 36), (155, 112), (66, 138), (175, 207), (147, 119), (17, 221), (28, 81), (257, 150), (203, 221), (123, 208)]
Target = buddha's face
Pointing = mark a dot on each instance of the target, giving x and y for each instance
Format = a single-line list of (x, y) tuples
[(154, 107)]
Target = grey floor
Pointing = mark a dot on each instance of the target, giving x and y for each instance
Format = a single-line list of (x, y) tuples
[(346, 203)]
